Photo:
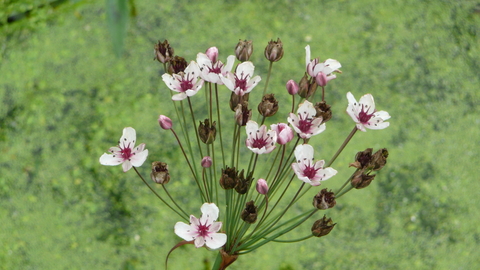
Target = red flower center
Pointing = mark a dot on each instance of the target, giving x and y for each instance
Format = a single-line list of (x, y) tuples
[(259, 142), (202, 230), (363, 116), (304, 124), (310, 172), (126, 152), (241, 82)]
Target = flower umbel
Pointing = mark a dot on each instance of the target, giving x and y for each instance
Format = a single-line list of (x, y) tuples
[(307, 170), (364, 113), (305, 123), (126, 153), (204, 231)]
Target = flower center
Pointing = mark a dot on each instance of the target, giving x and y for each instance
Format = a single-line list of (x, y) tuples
[(310, 172), (363, 116), (126, 152), (216, 68), (304, 124), (241, 82), (259, 142), (202, 230)]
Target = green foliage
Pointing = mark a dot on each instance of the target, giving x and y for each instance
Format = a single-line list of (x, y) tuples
[(66, 97)]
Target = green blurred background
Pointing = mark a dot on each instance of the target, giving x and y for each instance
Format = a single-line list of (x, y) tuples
[(72, 76)]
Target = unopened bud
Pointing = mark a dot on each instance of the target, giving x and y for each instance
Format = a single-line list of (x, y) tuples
[(274, 50), (165, 122), (242, 183), (236, 99), (244, 50), (324, 199), (268, 106), (160, 173), (321, 79), (206, 162), (212, 54), (163, 52), (292, 87), (207, 132), (322, 226), (262, 186), (249, 214)]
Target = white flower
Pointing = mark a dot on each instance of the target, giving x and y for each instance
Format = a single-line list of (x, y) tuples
[(364, 113), (241, 82), (203, 230), (305, 123), (327, 67), (259, 140), (185, 83), (126, 153), (307, 170), (213, 71)]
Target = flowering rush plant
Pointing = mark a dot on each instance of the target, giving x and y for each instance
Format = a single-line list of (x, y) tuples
[(249, 174)]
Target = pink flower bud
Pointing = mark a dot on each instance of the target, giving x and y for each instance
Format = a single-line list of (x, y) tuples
[(212, 53), (165, 122), (321, 79), (262, 186), (292, 87), (206, 162), (284, 133)]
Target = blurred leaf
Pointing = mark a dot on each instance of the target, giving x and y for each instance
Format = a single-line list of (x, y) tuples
[(117, 21)]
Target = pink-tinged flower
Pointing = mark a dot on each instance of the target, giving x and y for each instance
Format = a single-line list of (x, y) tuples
[(364, 113), (305, 123), (241, 82), (165, 122), (211, 69), (204, 230), (126, 153), (212, 54), (259, 140), (262, 186), (284, 132), (185, 83), (307, 170), (314, 67)]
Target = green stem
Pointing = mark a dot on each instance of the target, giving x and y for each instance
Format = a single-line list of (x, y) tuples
[(342, 146)]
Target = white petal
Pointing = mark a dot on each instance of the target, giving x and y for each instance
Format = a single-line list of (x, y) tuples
[(229, 65), (170, 81), (331, 65), (229, 81), (382, 114), (209, 212), (203, 60), (351, 99), (216, 240), (245, 68), (368, 102), (215, 227), (185, 231), (180, 96), (252, 83), (251, 127), (308, 108), (127, 165), (110, 160), (192, 69), (380, 125), (351, 110), (304, 152), (307, 55), (199, 241), (128, 138), (327, 173), (139, 158)]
